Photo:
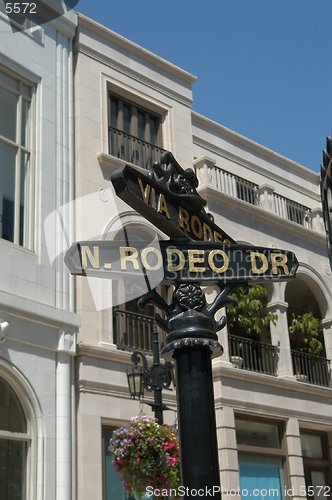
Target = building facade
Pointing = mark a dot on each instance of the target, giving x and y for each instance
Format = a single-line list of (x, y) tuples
[(63, 387), (38, 323), (273, 403)]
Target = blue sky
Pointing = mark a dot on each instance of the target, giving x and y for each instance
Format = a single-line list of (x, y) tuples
[(264, 67)]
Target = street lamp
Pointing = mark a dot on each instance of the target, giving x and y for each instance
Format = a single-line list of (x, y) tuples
[(155, 378)]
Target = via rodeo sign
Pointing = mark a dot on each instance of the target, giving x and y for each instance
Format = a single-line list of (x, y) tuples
[(198, 251)]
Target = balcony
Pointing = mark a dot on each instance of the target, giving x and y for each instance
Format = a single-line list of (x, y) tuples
[(263, 197), (132, 149), (252, 355), (311, 369), (134, 331)]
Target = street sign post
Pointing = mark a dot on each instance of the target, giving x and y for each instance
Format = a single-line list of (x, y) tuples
[(199, 252)]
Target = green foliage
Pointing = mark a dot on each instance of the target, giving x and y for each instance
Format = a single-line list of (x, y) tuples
[(248, 318), (306, 333)]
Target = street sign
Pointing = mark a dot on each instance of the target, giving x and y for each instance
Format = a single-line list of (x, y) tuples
[(168, 198), (185, 262)]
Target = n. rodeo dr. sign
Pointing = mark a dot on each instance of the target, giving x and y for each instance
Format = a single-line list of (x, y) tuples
[(181, 262)]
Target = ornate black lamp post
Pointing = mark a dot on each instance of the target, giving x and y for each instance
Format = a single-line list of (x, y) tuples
[(155, 378)]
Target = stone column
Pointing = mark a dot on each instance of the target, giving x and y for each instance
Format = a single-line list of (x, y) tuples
[(327, 330), (295, 461), (65, 416), (279, 332), (228, 457)]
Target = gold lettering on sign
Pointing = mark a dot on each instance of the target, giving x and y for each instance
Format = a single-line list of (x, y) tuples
[(217, 237), (144, 257), (162, 206), (184, 218), (145, 191), (170, 264), (207, 232), (212, 264), (196, 226), (129, 254), (279, 260), (263, 261), (193, 259), (87, 255)]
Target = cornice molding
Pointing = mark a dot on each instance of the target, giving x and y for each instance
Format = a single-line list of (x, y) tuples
[(86, 23), (236, 374), (217, 150), (266, 411), (120, 391), (38, 312), (130, 73), (105, 351)]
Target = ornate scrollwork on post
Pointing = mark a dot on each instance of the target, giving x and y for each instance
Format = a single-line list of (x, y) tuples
[(189, 320)]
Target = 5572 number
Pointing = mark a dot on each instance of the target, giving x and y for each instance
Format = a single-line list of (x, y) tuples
[(20, 8)]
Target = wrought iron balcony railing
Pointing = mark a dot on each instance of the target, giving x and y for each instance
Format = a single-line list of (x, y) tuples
[(312, 369), (134, 331), (252, 355), (132, 149)]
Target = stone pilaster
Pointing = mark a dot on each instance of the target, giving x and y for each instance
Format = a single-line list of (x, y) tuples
[(295, 461), (228, 457)]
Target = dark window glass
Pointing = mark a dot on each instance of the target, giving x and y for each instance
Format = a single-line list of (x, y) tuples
[(257, 434), (114, 113), (12, 469), (141, 125), (8, 105), (126, 119), (113, 486), (12, 417)]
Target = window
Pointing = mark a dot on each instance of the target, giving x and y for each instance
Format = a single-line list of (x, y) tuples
[(315, 462), (14, 445), (113, 486), (261, 456), (257, 434), (15, 153), (134, 133)]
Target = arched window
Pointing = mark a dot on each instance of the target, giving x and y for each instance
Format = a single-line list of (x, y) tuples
[(14, 445)]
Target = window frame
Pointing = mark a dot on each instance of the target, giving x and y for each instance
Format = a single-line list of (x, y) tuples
[(21, 150), (24, 437), (135, 108), (317, 464)]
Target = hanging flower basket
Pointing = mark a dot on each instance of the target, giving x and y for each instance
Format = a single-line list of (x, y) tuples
[(146, 454)]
